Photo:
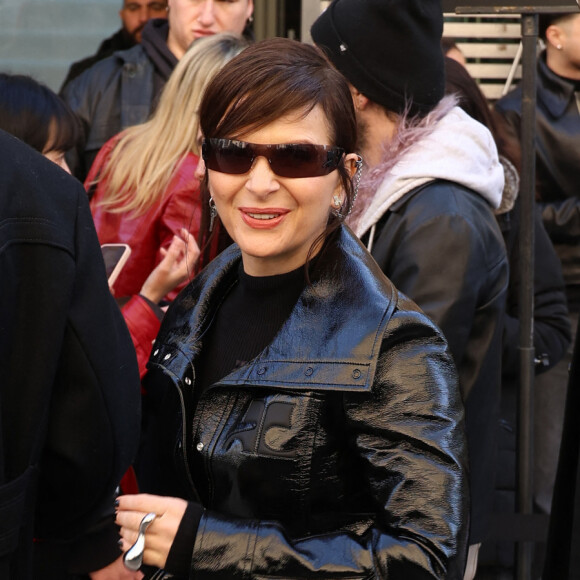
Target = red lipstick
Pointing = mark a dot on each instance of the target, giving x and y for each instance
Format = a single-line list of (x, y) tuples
[(263, 218)]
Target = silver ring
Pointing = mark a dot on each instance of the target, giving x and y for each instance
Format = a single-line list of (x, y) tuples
[(133, 558)]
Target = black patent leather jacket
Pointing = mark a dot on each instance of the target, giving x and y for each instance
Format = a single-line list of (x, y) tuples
[(338, 452)]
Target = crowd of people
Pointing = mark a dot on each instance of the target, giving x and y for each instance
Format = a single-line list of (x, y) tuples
[(307, 367)]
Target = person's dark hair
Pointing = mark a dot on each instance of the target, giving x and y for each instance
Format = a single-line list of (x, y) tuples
[(547, 19), (459, 82), (447, 44), (271, 79), (36, 115)]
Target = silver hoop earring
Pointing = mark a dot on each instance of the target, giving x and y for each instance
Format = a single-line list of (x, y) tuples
[(212, 213)]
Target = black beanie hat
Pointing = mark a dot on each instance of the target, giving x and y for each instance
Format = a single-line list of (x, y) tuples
[(389, 50)]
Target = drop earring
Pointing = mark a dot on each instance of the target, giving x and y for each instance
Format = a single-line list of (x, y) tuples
[(357, 176), (212, 213)]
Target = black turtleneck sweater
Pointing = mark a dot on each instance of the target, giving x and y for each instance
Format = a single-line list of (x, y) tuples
[(247, 321)]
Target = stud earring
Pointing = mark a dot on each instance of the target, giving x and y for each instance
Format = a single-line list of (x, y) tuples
[(336, 201), (559, 46), (212, 213)]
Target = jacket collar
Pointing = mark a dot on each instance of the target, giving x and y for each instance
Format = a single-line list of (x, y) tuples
[(154, 42), (553, 91), (351, 295), (153, 49)]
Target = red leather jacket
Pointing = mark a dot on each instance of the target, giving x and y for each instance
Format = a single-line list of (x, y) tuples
[(146, 234)]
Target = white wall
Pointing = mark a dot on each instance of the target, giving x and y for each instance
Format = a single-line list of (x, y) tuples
[(42, 37), (311, 10)]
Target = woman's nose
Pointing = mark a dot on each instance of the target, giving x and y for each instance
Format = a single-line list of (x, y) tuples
[(261, 179)]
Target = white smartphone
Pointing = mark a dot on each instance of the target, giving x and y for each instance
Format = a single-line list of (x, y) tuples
[(115, 257)]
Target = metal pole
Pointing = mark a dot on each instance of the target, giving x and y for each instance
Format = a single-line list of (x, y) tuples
[(525, 550)]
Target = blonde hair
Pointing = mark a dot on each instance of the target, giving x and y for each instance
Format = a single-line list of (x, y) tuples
[(144, 160)]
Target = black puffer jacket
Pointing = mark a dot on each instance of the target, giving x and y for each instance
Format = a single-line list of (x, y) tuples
[(69, 385), (557, 165), (552, 336), (338, 452)]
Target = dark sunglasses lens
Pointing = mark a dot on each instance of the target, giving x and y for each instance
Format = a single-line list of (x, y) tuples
[(296, 161), (304, 160), (227, 156)]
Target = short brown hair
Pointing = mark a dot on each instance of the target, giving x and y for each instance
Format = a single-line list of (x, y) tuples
[(274, 78)]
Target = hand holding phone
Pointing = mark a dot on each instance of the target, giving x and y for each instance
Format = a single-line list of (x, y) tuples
[(115, 257)]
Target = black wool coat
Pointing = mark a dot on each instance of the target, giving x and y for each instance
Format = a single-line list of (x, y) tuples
[(69, 384)]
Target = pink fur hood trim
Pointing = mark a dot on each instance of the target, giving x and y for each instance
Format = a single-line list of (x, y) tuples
[(448, 144)]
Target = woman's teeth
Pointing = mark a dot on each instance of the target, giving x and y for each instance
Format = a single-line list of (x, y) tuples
[(263, 216)]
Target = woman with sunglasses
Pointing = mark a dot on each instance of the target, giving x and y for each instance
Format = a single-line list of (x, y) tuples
[(303, 417)]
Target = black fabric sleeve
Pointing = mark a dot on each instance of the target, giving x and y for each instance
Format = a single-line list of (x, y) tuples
[(179, 558), (552, 332)]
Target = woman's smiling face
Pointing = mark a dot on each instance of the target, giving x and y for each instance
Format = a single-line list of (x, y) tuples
[(275, 220)]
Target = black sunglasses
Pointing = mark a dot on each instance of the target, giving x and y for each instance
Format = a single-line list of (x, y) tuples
[(287, 160)]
